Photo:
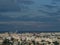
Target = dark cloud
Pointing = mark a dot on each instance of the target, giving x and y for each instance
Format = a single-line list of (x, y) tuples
[(26, 2), (14, 6), (50, 6), (9, 9), (43, 11), (56, 0), (50, 10), (27, 18), (48, 14), (24, 5), (28, 26), (8, 6), (5, 18), (53, 14)]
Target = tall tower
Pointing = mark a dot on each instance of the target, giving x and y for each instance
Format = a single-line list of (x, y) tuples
[(16, 31)]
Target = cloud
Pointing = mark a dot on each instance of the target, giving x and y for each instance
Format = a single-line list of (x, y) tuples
[(14, 5), (50, 10), (50, 6), (20, 10), (8, 6), (29, 16), (56, 0), (26, 2), (29, 26)]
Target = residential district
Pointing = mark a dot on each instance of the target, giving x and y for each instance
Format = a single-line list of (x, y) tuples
[(51, 38)]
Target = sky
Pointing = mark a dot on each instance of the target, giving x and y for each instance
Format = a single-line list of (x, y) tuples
[(36, 15)]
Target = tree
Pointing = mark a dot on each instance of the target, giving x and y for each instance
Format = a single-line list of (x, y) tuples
[(56, 43), (5, 42)]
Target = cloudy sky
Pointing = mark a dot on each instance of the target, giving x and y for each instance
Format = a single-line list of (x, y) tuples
[(41, 15)]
